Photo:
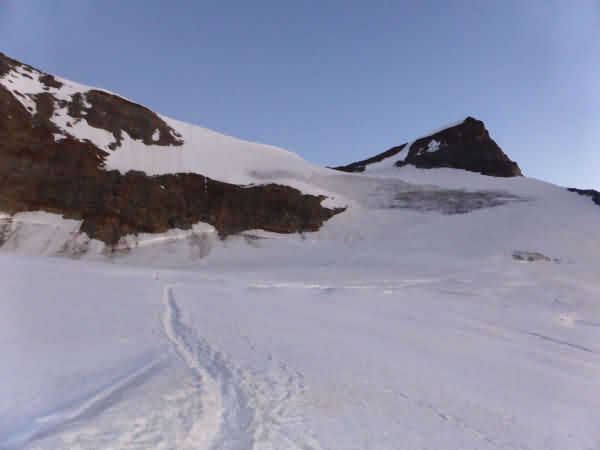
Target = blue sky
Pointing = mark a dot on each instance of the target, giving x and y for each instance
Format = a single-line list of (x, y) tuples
[(337, 81)]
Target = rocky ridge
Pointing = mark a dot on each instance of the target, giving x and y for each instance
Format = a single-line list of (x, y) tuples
[(467, 146), (49, 168)]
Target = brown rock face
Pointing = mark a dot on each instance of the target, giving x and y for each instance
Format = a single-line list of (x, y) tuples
[(68, 176), (114, 114), (465, 146)]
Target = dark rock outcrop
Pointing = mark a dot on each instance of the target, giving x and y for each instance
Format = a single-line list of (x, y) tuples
[(99, 109), (115, 114), (465, 146), (519, 255), (595, 195), (68, 176)]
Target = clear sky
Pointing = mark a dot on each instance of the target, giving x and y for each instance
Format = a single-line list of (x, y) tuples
[(337, 81)]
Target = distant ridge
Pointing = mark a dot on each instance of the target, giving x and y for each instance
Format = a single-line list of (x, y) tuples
[(466, 145)]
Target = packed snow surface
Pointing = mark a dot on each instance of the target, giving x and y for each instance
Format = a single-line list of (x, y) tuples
[(390, 327)]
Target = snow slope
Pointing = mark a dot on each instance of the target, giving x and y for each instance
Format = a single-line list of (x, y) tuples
[(292, 345), (204, 151), (391, 327)]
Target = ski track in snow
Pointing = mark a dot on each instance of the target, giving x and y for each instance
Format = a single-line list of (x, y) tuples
[(240, 410), (560, 342), (55, 421), (451, 418), (222, 407), (225, 416)]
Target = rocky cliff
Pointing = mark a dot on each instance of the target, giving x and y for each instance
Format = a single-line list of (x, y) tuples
[(467, 146), (51, 168)]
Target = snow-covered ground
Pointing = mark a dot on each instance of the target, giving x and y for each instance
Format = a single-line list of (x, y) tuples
[(390, 327), (412, 320)]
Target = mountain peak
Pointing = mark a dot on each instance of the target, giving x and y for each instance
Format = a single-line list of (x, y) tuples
[(466, 145)]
